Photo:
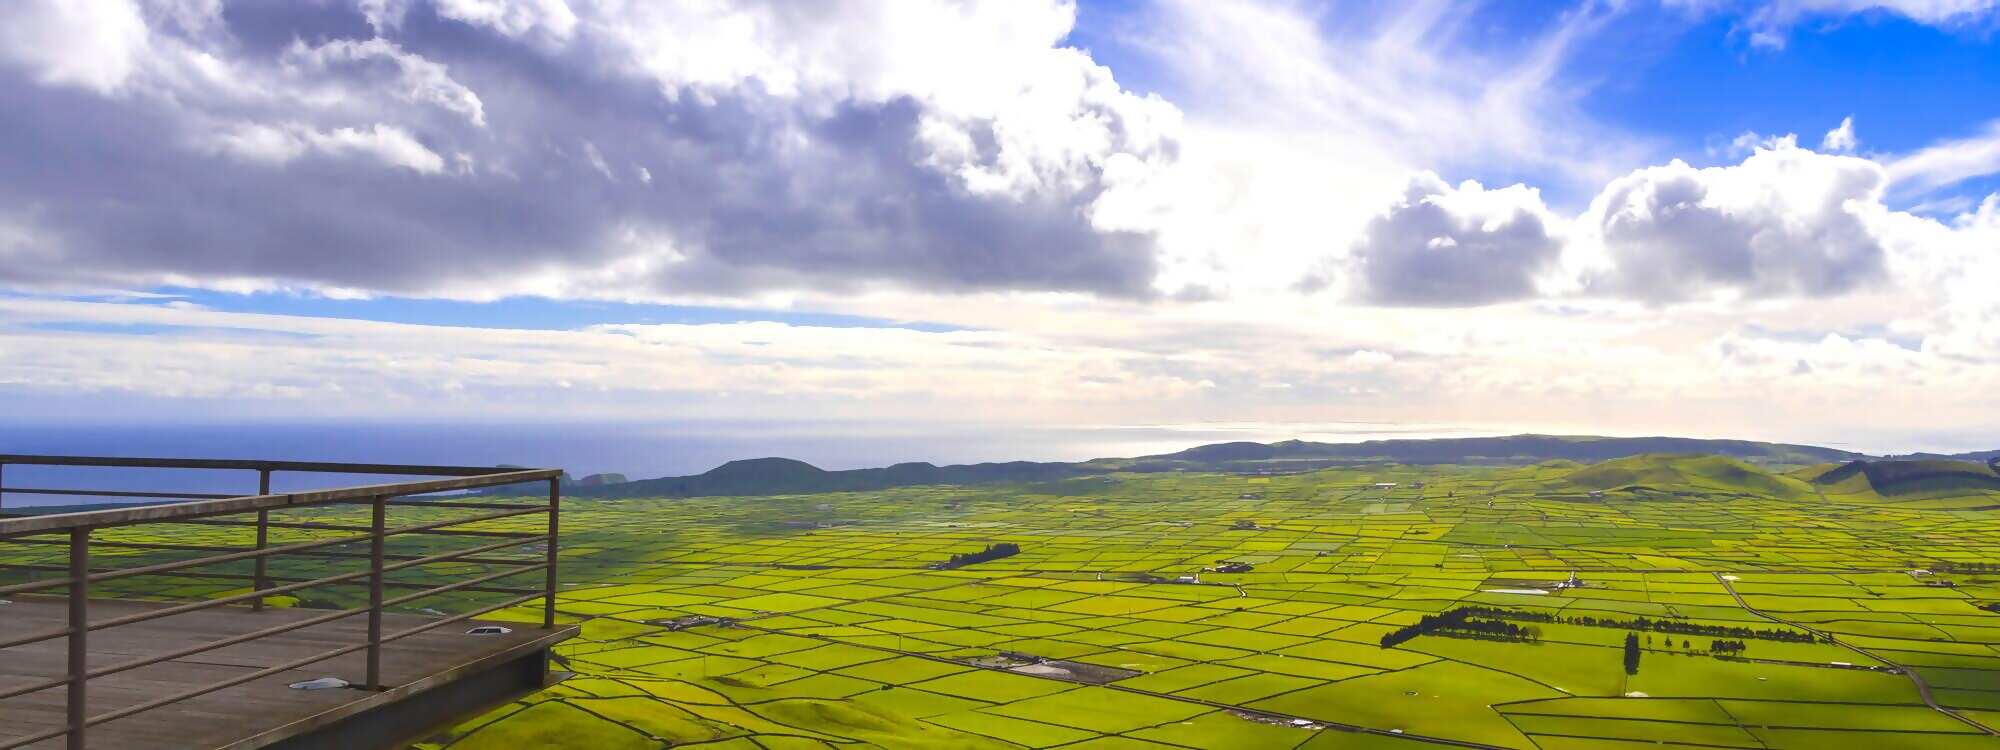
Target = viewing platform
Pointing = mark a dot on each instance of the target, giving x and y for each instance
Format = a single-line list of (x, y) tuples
[(203, 623)]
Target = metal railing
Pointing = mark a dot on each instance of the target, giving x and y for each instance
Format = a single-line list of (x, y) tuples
[(77, 577)]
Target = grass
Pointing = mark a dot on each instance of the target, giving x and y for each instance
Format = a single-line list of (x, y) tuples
[(843, 636)]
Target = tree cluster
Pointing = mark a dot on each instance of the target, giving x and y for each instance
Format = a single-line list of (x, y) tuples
[(1510, 614), (992, 552), (1460, 620), (1730, 648)]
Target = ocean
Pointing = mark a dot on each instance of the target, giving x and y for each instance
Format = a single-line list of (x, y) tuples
[(638, 450)]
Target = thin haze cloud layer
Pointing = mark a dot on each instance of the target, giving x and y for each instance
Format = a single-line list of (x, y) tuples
[(1151, 211)]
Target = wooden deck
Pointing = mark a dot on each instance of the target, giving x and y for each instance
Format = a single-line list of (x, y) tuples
[(421, 668)]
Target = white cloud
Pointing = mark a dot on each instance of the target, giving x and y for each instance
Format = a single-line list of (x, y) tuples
[(1369, 358), (1306, 121), (1784, 222), (1402, 81), (207, 354), (510, 17), (1949, 162), (417, 80), (278, 144), (1770, 23), (1458, 246), (94, 44), (1699, 370), (961, 146), (966, 165), (597, 162), (1007, 109), (1959, 266), (1839, 140)]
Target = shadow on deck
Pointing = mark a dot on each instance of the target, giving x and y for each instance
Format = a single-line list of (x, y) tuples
[(428, 679), (81, 668)]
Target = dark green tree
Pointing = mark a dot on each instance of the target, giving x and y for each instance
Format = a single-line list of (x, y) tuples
[(1631, 653)]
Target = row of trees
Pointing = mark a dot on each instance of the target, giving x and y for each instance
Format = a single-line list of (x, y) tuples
[(992, 552), (1681, 627), (1492, 621), (1718, 647), (1672, 627), (1731, 648), (1460, 620), (1949, 566)]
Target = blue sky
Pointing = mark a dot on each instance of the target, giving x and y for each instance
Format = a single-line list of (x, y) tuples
[(1907, 83), (1711, 217)]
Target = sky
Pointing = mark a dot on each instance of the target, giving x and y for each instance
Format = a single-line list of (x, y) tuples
[(1775, 220)]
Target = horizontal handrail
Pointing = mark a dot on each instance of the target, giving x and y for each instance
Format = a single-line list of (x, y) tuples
[(324, 526), (313, 467), (291, 579), (22, 640), (336, 541), (115, 493), (467, 583), (213, 548), (168, 567), (200, 508)]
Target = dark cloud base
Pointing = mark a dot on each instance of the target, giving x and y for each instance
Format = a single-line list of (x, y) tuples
[(751, 191)]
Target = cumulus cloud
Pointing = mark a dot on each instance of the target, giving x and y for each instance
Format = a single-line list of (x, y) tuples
[(1785, 222), (1445, 246), (95, 44), (482, 148), (1962, 268), (1840, 139)]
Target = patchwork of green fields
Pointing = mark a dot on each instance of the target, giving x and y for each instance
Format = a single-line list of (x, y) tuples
[(837, 632)]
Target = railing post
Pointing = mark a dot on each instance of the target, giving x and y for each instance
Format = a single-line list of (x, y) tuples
[(549, 588), (375, 593), (259, 581), (79, 629)]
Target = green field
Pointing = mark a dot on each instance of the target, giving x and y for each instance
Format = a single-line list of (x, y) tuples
[(838, 632)]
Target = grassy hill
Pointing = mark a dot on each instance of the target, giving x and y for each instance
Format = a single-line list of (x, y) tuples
[(1904, 478), (784, 476), (1667, 472), (1514, 449)]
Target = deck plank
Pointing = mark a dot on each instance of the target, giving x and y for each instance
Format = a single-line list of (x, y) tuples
[(226, 716)]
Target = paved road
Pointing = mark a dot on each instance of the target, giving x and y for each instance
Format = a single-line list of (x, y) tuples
[(1923, 688)]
